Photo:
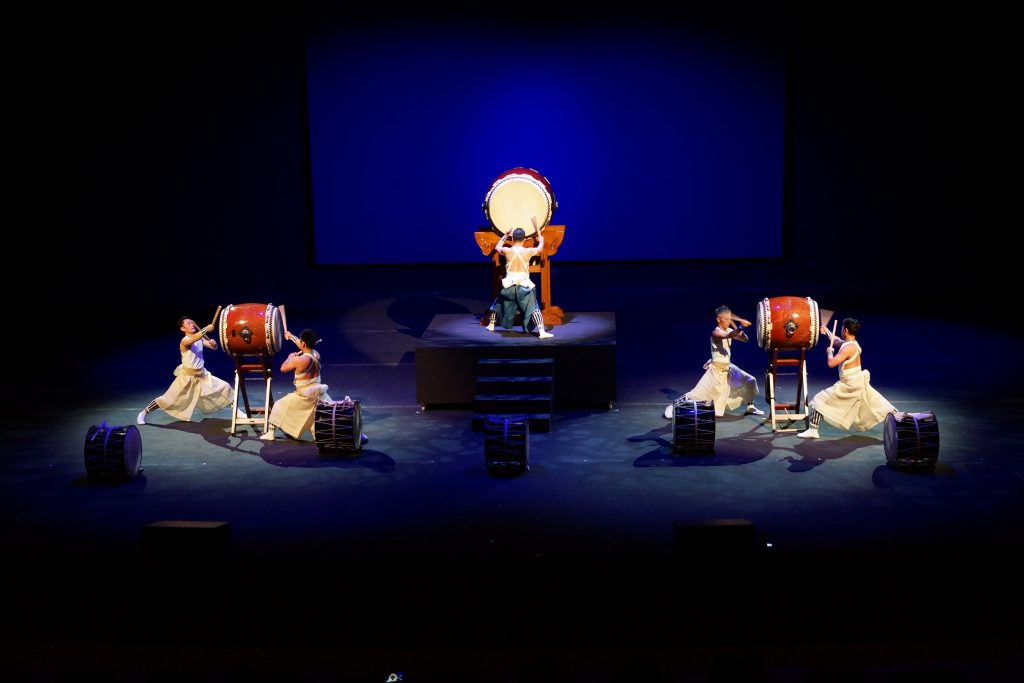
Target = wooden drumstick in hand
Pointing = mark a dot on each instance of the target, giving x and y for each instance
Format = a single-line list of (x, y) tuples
[(213, 323), (284, 324)]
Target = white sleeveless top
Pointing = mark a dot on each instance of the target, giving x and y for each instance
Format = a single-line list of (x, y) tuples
[(192, 357), (312, 373), (721, 349), (844, 369)]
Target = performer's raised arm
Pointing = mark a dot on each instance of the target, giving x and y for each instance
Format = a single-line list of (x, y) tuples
[(540, 235), (501, 243)]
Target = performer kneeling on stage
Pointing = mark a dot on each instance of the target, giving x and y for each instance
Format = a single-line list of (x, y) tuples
[(722, 382), (850, 403), (193, 386), (295, 413), (517, 291)]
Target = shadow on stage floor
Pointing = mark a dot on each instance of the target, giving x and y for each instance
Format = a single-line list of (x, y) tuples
[(411, 554)]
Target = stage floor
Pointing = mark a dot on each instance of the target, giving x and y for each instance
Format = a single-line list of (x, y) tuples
[(412, 544)]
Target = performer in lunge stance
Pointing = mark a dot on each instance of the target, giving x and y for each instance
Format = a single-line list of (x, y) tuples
[(850, 403), (294, 413), (722, 382), (517, 291), (193, 386)]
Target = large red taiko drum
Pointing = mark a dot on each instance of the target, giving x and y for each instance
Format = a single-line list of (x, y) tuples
[(788, 322), (251, 329)]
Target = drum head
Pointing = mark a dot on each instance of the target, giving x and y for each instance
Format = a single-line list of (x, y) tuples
[(890, 437), (517, 198), (273, 332), (132, 450)]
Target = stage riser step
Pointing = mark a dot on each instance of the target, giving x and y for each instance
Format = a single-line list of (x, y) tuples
[(515, 367), (495, 404), (539, 422), (513, 385)]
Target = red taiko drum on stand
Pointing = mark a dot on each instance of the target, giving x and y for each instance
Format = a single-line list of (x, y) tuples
[(516, 198), (787, 322), (251, 329)]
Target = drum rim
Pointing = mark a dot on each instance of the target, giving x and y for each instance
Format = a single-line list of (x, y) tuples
[(521, 172)]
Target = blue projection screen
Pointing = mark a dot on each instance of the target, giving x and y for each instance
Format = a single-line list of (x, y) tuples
[(659, 142)]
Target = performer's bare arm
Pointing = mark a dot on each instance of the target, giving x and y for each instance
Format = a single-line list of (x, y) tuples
[(731, 333), (500, 247), (738, 335), (190, 339), (539, 249), (296, 361), (835, 359)]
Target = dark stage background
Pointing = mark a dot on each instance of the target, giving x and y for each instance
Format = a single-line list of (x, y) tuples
[(161, 166), (675, 130)]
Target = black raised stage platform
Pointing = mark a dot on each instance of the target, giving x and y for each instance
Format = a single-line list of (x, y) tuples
[(583, 350)]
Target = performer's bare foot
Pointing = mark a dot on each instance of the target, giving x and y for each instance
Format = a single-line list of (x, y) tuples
[(490, 328), (754, 410), (544, 334), (811, 433), (141, 418), (669, 409), (268, 435)]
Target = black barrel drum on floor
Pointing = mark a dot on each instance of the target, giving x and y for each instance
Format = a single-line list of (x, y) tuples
[(911, 440), (693, 426)]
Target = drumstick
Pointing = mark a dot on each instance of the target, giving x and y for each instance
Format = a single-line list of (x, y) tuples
[(826, 316), (832, 337), (214, 321), (284, 324), (284, 319)]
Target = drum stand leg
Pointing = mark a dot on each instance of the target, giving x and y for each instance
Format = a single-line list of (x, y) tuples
[(252, 371), (267, 401), (234, 406), (800, 404)]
